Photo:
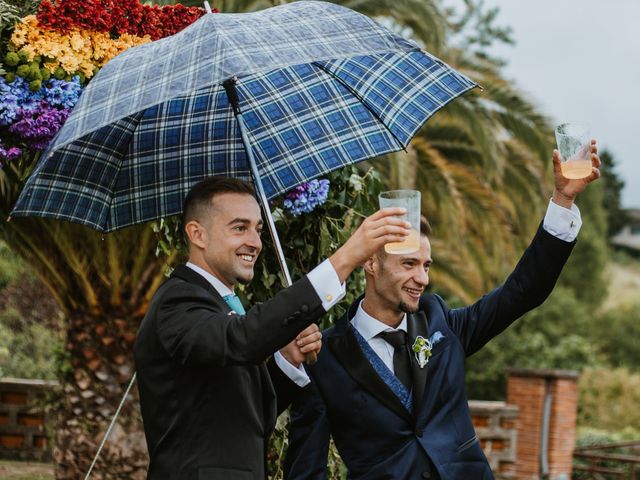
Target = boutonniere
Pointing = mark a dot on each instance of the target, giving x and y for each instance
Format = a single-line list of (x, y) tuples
[(422, 350)]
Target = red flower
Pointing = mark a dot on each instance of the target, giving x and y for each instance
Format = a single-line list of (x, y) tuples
[(117, 17)]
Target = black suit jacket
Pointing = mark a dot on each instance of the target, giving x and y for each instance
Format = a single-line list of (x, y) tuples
[(376, 435), (208, 398)]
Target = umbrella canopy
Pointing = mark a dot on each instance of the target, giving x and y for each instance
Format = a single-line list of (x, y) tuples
[(320, 87)]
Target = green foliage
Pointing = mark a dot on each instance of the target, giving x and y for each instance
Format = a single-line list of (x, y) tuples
[(618, 336), (26, 348), (555, 335), (598, 436), (609, 399), (584, 272), (612, 201), (10, 266), (310, 238)]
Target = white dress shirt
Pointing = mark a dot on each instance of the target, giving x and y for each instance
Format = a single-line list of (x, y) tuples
[(369, 328), (560, 222), (324, 281)]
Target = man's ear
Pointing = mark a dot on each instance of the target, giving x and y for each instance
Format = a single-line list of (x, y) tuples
[(370, 265), (196, 233)]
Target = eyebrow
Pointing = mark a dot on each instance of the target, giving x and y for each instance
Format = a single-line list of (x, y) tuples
[(244, 221), (414, 259)]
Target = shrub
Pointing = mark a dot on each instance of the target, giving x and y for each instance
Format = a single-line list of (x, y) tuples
[(609, 399)]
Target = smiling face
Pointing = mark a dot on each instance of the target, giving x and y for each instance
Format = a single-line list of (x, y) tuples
[(225, 239), (396, 282)]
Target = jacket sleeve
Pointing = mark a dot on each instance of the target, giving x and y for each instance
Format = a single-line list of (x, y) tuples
[(286, 389), (528, 286), (306, 457), (196, 331)]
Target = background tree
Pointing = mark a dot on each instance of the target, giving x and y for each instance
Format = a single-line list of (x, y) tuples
[(612, 198)]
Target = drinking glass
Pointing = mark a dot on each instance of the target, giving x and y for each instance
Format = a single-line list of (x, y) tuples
[(410, 200), (574, 145)]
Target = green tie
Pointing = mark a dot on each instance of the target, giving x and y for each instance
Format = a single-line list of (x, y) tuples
[(234, 303)]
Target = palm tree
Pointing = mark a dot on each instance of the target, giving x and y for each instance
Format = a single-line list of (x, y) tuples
[(481, 164), (102, 284)]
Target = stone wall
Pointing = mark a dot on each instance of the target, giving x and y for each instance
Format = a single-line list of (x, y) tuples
[(495, 424), (23, 435), (510, 432)]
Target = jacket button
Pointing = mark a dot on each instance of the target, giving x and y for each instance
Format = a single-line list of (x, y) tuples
[(287, 320), (304, 308), (419, 433), (426, 475)]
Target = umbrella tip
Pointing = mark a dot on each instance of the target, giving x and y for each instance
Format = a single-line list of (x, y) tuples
[(207, 7)]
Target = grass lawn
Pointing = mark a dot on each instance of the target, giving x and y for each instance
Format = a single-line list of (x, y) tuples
[(10, 470)]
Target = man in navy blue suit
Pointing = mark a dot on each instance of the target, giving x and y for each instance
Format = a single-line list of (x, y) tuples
[(389, 384)]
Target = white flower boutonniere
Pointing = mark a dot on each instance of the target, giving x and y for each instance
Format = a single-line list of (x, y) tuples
[(422, 350)]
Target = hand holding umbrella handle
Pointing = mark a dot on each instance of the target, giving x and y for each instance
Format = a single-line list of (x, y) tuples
[(304, 347)]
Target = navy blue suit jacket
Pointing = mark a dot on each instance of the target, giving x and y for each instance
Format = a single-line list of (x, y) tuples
[(377, 437)]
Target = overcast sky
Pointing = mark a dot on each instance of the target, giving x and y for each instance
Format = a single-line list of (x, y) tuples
[(579, 60)]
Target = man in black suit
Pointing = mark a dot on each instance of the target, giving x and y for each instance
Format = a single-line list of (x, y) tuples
[(207, 394), (389, 384)]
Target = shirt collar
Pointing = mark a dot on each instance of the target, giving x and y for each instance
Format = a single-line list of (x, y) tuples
[(220, 287), (369, 327)]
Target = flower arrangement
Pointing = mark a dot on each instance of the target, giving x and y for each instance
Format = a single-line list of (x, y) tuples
[(306, 197), (52, 55), (31, 117), (73, 52), (117, 17)]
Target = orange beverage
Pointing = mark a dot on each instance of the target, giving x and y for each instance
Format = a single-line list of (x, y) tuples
[(574, 169), (410, 245)]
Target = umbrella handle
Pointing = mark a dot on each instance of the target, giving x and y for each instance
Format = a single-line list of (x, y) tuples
[(310, 358)]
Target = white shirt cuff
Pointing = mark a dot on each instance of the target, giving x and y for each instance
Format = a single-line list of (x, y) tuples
[(561, 222), (297, 375), (326, 283)]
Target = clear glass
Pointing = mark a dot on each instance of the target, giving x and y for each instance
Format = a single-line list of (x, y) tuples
[(574, 145), (409, 199)]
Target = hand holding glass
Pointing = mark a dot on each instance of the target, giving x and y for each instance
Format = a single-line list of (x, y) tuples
[(574, 145), (410, 200)]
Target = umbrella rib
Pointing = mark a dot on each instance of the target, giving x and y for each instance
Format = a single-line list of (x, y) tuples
[(362, 101)]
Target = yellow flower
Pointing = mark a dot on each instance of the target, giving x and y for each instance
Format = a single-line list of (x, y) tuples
[(51, 66), (30, 51), (75, 51)]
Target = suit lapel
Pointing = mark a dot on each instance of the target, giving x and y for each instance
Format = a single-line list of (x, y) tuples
[(417, 326), (346, 349), (269, 395), (189, 275)]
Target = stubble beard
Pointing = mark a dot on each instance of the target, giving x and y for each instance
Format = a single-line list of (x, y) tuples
[(406, 308)]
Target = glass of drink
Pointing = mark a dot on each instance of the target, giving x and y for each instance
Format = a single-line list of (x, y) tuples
[(410, 200), (574, 145)]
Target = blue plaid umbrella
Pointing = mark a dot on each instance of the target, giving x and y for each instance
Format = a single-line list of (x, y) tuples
[(282, 95)]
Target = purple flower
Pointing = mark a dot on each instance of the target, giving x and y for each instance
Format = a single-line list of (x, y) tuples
[(306, 197), (38, 124), (8, 154)]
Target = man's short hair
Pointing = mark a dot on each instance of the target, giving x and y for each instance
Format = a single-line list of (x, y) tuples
[(199, 197), (425, 226)]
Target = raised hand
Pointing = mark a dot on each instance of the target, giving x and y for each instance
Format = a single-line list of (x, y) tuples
[(382, 227), (566, 189)]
